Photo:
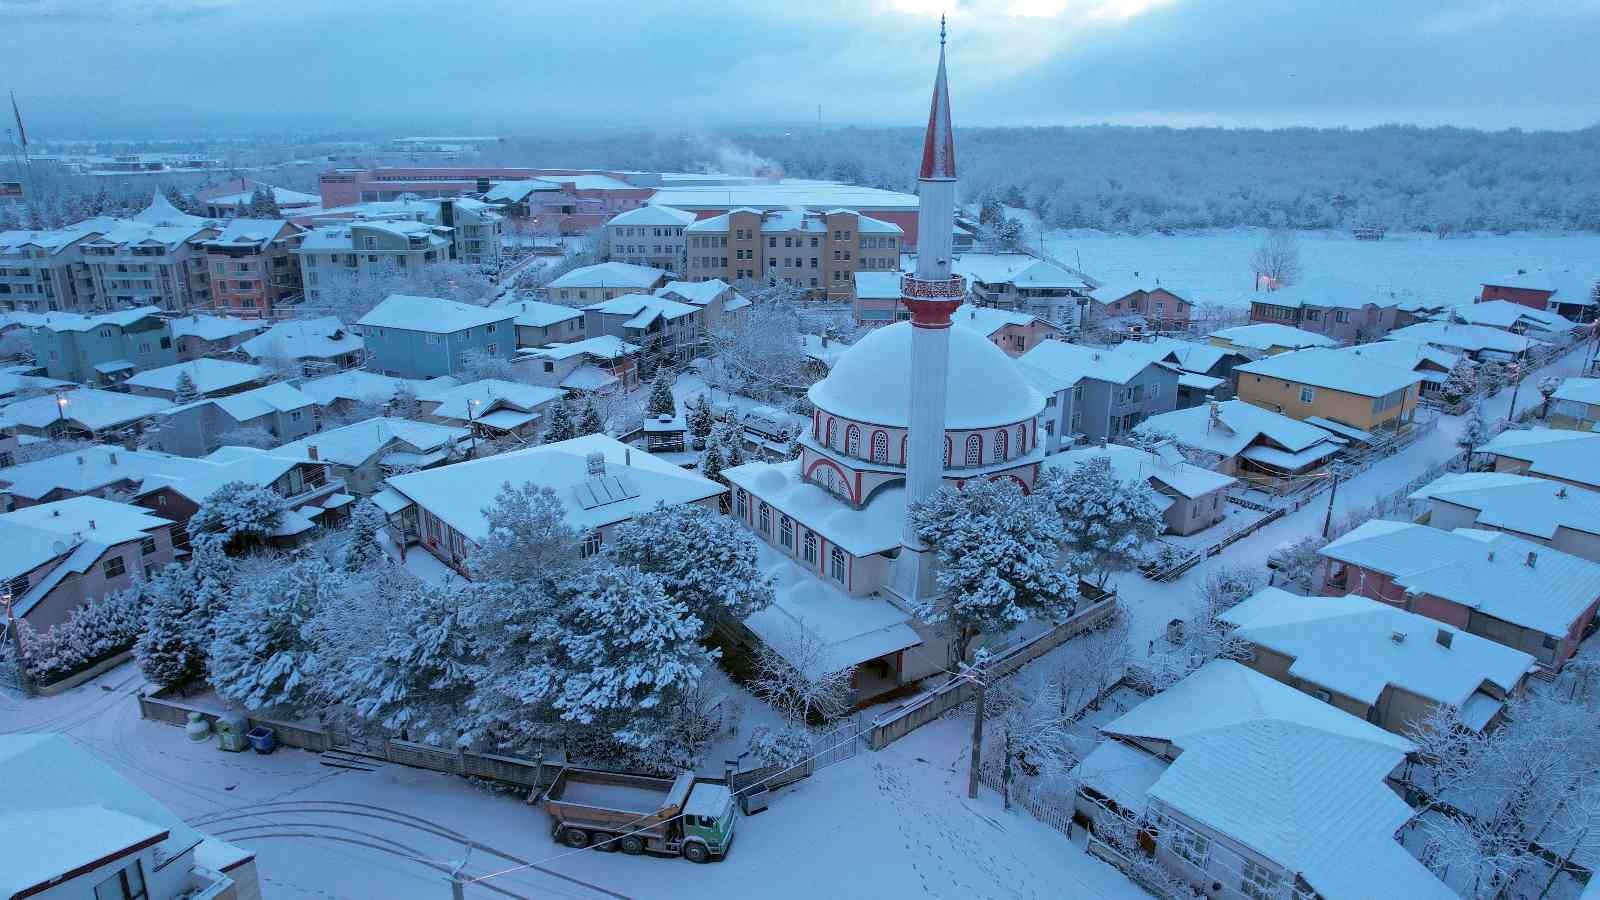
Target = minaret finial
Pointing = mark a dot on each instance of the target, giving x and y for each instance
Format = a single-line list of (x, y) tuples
[(941, 30)]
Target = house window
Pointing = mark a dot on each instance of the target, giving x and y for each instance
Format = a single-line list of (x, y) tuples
[(786, 532), (1258, 882), (852, 441), (114, 567), (974, 450), (491, 348), (811, 548), (590, 546), (880, 447), (743, 500), (127, 884), (1342, 315), (766, 518), (1307, 395), (836, 560), (147, 546), (1187, 843)]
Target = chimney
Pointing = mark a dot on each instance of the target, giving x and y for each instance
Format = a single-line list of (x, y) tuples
[(311, 451), (1399, 637), (55, 512), (597, 464), (1562, 492), (627, 456), (1444, 637), (1533, 557), (91, 524), (1491, 556), (80, 459), (113, 458)]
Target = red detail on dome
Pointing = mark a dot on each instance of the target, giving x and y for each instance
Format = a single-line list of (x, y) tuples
[(939, 145)]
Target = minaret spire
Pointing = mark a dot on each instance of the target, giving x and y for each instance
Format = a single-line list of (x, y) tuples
[(939, 144)]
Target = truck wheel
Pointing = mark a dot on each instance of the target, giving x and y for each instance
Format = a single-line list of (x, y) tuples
[(602, 842), (575, 838), (632, 845), (696, 853)]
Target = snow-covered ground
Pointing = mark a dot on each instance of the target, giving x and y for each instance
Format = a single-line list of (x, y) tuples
[(1214, 267)]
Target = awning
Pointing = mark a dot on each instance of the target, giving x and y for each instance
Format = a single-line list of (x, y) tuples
[(337, 500), (116, 365), (1285, 461), (1479, 710), (506, 419), (391, 501), (1341, 429)]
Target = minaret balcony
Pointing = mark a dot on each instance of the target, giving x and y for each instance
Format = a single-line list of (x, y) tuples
[(953, 288)]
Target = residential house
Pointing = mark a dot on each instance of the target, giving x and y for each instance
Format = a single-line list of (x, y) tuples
[(1266, 339), (75, 829), (1247, 788), (605, 281), (819, 252), (490, 408), (1161, 309), (425, 337), (649, 236), (1540, 324), (877, 299), (1378, 663), (253, 266), (14, 386), (103, 349), (232, 199), (353, 390), (99, 470), (717, 299), (1205, 372), (319, 346), (1270, 451), (1410, 309), (1095, 395), (1535, 509), (211, 377), (1023, 283), (539, 323), (601, 482), (1576, 404), (1320, 385), (87, 413), (1191, 498), (1015, 333), (311, 494), (63, 554), (1480, 342), (276, 413), (330, 253), (1521, 594), (665, 328), (363, 454), (592, 365), (1344, 311), (1430, 362), (200, 334), (1553, 453), (1571, 297)]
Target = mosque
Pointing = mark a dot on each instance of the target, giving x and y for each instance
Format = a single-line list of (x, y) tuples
[(909, 408)]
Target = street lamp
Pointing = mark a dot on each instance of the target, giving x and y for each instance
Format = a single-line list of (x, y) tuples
[(472, 429), (61, 409), (16, 641)]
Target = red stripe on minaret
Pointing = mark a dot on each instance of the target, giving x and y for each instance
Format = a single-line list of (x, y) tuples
[(939, 145)]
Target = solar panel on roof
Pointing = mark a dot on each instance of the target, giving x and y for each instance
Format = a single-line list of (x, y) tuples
[(603, 490)]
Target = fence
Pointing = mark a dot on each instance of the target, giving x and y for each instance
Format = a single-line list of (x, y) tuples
[(1171, 569), (913, 714)]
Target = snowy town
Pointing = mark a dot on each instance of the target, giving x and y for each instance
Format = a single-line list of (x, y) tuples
[(460, 528)]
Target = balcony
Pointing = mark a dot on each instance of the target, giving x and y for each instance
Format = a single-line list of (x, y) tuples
[(952, 288)]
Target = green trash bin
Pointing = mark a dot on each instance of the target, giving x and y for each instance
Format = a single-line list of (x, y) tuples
[(230, 731)]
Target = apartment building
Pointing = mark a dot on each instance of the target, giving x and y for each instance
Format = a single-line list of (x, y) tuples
[(102, 349), (1023, 283), (364, 248), (649, 236), (1095, 395), (1323, 386), (818, 251), (473, 227), (155, 258), (253, 266), (41, 271), (571, 201)]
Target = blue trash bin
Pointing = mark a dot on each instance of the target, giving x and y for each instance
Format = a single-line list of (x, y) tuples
[(263, 739)]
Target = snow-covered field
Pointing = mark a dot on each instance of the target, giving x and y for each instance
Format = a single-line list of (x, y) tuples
[(1213, 267)]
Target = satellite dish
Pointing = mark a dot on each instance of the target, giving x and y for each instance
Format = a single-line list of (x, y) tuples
[(58, 546)]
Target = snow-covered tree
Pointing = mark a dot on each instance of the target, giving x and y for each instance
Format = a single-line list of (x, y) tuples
[(236, 517), (1491, 377), (1028, 733), (263, 204), (1299, 564), (167, 653), (90, 633), (177, 198), (1276, 260), (590, 422), (1104, 522), (998, 561), (711, 464), (1548, 386), (477, 365), (1461, 383), (249, 436), (1100, 657), (794, 675), (781, 745), (404, 404), (761, 354), (528, 539), (185, 390), (1474, 434), (701, 419), (1204, 637), (362, 547), (706, 560), (661, 402), (560, 427), (263, 656)]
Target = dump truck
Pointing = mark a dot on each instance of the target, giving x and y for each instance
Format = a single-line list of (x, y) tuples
[(682, 816)]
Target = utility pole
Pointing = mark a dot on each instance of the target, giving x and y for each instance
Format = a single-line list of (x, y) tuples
[(23, 681), (1333, 490), (472, 429), (1516, 385), (458, 884), (979, 673)]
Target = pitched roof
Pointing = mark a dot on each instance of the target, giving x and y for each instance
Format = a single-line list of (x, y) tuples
[(1505, 314), (203, 476), (1471, 338), (1070, 363), (1133, 464), (537, 313), (208, 375), (1017, 269), (354, 444), (250, 231), (1531, 506), (517, 190), (1237, 426), (84, 471), (1326, 292), (213, 328), (1551, 452), (322, 338), (1186, 355), (986, 320), (698, 293), (1404, 354), (488, 394), (642, 309), (103, 520), (1332, 369), (603, 346), (1266, 335), (1579, 390), (939, 143), (359, 386), (246, 405), (69, 321), (92, 409), (610, 274), (651, 214), (433, 315)]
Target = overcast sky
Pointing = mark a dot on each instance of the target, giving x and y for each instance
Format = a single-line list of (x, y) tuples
[(180, 67)]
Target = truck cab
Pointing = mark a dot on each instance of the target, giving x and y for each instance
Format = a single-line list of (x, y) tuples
[(708, 819)]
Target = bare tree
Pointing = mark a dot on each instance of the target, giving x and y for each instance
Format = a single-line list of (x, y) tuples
[(1276, 260), (1094, 662), (799, 681)]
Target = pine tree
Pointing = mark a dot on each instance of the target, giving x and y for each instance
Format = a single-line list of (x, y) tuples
[(236, 517), (364, 549), (185, 390), (711, 463), (1104, 522), (591, 422), (560, 427), (1460, 384), (177, 198), (661, 402), (165, 652), (263, 203), (706, 560), (701, 420), (1474, 434), (262, 656), (528, 539)]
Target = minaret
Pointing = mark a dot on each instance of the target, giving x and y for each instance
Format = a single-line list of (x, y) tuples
[(932, 295)]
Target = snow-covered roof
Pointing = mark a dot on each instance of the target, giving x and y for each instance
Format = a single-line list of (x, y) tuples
[(47, 845), (1579, 390), (877, 285), (986, 320), (458, 493), (89, 408), (537, 313), (610, 274), (871, 382), (1551, 452), (1348, 645), (246, 405), (1505, 314), (698, 293), (515, 191), (589, 377), (105, 521), (652, 214), (1017, 269), (592, 182), (642, 309), (1523, 280), (1070, 363), (69, 321), (489, 394), (1404, 354), (1115, 289), (15, 383), (249, 232), (203, 476), (322, 338), (1133, 464), (162, 212), (1122, 773), (782, 194), (1482, 570), (280, 196), (1186, 355), (853, 629), (1266, 335), (433, 315), (213, 328), (1292, 778), (603, 346), (874, 528), (84, 471), (1332, 369), (354, 444), (358, 386), (1471, 338), (1236, 427), (1326, 292), (1531, 506), (208, 375)]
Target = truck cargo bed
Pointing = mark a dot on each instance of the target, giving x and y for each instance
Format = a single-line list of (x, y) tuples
[(640, 800)]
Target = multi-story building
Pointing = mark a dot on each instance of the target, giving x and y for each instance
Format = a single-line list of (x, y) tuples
[(1096, 395), (204, 335), (41, 271), (253, 266), (155, 258), (425, 337), (574, 201), (474, 226), (365, 248), (817, 251), (1161, 309), (649, 236), (714, 197), (592, 366), (102, 349), (605, 281), (279, 411), (319, 346), (539, 323), (1341, 310), (64, 554), (667, 329), (1023, 283), (1321, 386)]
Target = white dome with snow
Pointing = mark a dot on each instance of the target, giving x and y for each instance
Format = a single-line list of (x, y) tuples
[(871, 382)]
